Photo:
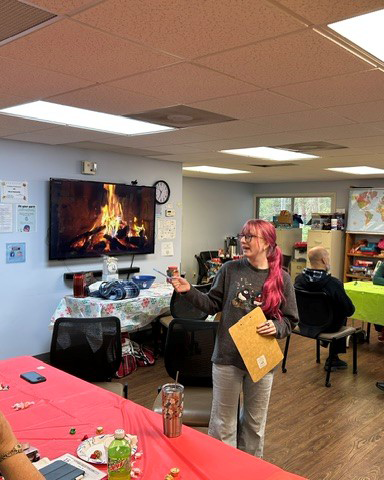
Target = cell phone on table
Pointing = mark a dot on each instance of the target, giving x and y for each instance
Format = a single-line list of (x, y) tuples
[(32, 377)]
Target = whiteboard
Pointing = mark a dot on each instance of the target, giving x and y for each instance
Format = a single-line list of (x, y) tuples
[(366, 210)]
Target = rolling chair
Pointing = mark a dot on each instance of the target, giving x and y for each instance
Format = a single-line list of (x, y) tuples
[(202, 260), (188, 350), (89, 348), (315, 310)]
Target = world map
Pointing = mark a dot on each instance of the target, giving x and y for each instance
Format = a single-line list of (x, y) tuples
[(366, 210)]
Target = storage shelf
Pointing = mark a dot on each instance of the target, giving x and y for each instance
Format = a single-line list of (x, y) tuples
[(365, 256), (360, 277), (98, 273)]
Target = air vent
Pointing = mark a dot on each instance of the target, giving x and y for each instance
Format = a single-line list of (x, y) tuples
[(17, 18), (180, 116), (310, 146), (274, 165)]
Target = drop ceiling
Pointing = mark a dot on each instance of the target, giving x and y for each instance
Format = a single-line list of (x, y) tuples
[(271, 66)]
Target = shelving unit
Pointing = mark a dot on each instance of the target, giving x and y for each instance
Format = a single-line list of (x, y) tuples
[(350, 240)]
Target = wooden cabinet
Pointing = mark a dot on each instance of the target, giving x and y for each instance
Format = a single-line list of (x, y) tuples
[(350, 240), (286, 238), (333, 242)]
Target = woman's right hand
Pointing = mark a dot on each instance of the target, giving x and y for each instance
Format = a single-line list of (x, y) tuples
[(7, 437), (180, 284)]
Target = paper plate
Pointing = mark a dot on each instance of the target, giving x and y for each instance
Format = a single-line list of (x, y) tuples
[(101, 443)]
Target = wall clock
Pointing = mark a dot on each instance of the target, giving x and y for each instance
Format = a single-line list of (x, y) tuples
[(162, 191)]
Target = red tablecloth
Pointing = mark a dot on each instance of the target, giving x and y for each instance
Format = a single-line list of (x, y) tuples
[(64, 401)]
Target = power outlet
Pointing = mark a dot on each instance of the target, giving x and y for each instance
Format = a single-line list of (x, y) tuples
[(89, 168)]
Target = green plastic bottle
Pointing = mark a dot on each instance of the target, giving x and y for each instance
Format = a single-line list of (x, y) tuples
[(119, 457)]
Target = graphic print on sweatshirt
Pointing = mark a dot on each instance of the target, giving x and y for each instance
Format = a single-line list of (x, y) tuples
[(246, 297)]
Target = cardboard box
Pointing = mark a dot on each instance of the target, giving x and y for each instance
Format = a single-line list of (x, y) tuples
[(285, 217)]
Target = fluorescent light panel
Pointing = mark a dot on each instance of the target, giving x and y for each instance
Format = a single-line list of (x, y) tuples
[(361, 170), (269, 153), (217, 170), (366, 31), (81, 118)]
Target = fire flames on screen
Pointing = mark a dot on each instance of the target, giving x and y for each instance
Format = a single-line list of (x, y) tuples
[(90, 219)]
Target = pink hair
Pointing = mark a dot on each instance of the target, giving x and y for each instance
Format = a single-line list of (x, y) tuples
[(273, 288)]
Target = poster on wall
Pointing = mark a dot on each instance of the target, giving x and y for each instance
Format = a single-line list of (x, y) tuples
[(14, 192), (6, 218), (26, 218), (15, 252), (366, 210)]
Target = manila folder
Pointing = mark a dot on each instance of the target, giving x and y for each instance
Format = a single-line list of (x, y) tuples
[(260, 353)]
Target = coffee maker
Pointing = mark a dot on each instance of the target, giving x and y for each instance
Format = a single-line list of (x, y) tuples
[(231, 246)]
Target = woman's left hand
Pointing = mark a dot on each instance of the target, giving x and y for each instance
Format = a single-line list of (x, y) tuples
[(267, 328)]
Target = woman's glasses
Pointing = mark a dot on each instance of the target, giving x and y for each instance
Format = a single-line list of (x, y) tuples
[(247, 237)]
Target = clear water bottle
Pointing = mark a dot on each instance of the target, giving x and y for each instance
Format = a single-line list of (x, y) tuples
[(119, 457)]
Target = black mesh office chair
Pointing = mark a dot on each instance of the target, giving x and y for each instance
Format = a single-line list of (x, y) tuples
[(181, 308), (88, 348), (316, 313), (188, 350)]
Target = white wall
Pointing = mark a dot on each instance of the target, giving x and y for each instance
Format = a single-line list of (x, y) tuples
[(30, 291), (212, 210)]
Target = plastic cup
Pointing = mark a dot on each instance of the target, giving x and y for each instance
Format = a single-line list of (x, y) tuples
[(172, 395)]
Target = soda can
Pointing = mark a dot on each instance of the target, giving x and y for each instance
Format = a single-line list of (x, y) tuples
[(172, 395)]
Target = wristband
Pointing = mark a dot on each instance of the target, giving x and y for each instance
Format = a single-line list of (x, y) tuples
[(15, 450)]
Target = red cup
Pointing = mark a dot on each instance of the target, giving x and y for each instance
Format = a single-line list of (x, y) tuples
[(79, 285)]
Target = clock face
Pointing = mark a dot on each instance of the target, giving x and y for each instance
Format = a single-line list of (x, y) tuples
[(162, 191), (112, 267)]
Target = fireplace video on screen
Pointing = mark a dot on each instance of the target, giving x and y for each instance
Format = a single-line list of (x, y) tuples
[(91, 219)]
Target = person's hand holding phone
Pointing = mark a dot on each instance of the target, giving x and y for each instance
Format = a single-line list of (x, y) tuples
[(180, 284)]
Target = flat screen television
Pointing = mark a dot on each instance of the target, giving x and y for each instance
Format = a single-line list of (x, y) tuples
[(91, 219)]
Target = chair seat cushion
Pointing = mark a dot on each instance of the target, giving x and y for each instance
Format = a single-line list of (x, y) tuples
[(114, 387), (328, 337), (165, 321), (197, 406)]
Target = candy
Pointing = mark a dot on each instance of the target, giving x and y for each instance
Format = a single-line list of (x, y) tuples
[(72, 431), (4, 387), (99, 430), (97, 454), (22, 405), (138, 455), (84, 438), (174, 471)]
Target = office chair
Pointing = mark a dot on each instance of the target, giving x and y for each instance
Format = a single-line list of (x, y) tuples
[(188, 350), (203, 270), (316, 312), (181, 308), (89, 348)]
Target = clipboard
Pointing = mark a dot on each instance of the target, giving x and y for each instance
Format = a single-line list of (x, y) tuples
[(260, 353)]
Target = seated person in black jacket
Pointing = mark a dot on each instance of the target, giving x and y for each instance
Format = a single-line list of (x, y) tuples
[(317, 279)]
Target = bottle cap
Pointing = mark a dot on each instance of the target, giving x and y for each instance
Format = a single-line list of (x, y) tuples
[(119, 433)]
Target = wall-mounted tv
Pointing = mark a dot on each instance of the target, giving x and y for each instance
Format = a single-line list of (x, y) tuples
[(90, 219)]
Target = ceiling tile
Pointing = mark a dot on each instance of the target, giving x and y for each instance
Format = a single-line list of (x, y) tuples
[(300, 120), (234, 129), (12, 125), (277, 62), (60, 6), (253, 104), (108, 99), (362, 112), (190, 28), (75, 49), (328, 11), (41, 83), (341, 90), (338, 132), (57, 135), (361, 141), (10, 100), (183, 83)]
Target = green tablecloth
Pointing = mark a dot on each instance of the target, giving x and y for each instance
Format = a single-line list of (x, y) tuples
[(368, 300)]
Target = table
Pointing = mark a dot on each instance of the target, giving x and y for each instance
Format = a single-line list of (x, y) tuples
[(368, 300), (134, 313), (64, 401)]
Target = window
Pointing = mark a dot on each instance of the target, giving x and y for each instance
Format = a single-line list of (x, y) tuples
[(269, 206)]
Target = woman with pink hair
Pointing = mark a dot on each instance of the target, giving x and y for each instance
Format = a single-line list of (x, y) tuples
[(240, 286)]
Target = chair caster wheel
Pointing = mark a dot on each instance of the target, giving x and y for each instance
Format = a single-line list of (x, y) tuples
[(284, 370), (328, 384)]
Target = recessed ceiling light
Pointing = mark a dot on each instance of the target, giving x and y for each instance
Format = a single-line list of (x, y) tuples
[(361, 170), (269, 153), (218, 170), (366, 31), (81, 118)]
